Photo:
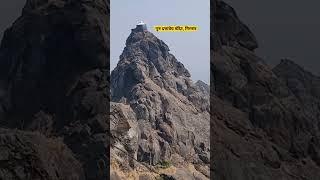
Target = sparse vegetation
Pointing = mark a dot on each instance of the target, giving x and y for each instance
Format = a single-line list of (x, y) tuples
[(159, 178), (165, 164), (165, 177)]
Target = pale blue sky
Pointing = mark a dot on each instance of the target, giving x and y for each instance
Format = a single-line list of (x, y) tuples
[(192, 48)]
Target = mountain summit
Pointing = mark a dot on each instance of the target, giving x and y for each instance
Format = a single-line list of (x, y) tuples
[(162, 114)]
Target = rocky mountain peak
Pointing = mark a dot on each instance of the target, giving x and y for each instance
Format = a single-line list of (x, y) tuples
[(289, 65), (156, 52), (229, 30), (146, 57), (301, 82), (163, 115), (205, 88)]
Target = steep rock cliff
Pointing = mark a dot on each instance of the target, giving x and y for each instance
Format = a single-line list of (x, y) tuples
[(171, 113), (264, 121)]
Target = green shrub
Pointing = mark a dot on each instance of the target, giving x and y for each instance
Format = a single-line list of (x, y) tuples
[(165, 164)]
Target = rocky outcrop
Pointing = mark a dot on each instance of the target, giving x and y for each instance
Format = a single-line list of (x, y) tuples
[(125, 135), (228, 28), (203, 87), (53, 79), (264, 121), (26, 155), (170, 113), (301, 82), (54, 56)]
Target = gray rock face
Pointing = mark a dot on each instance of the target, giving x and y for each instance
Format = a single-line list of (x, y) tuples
[(171, 112), (125, 132), (264, 121), (203, 87)]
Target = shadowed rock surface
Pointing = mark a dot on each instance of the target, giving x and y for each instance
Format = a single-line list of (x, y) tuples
[(55, 52), (265, 122), (164, 115), (26, 155), (53, 79)]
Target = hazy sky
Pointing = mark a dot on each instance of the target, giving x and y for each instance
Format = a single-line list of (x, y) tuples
[(192, 48), (284, 29)]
